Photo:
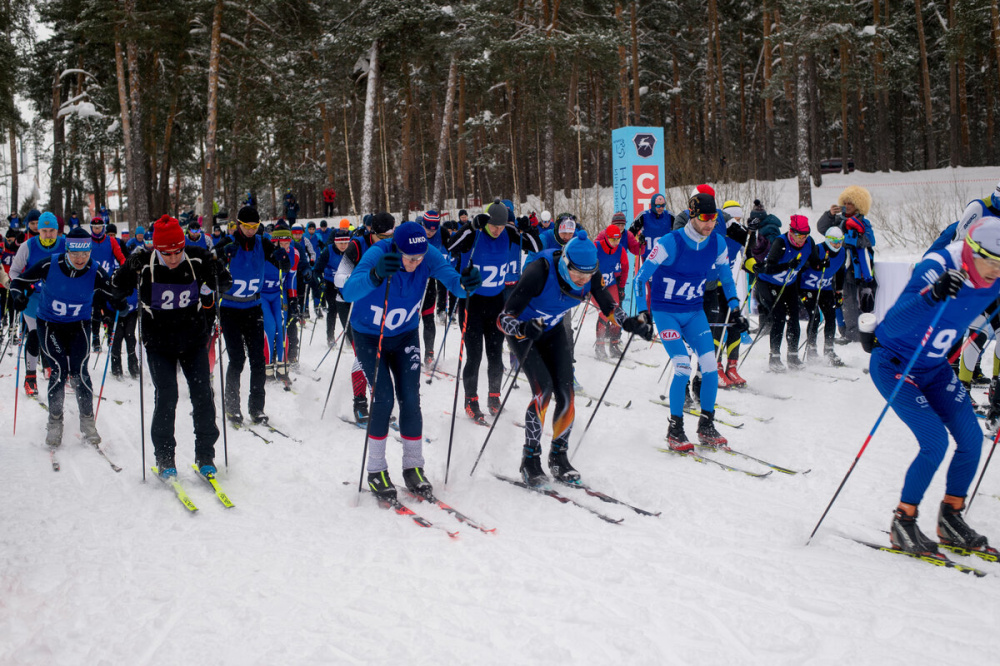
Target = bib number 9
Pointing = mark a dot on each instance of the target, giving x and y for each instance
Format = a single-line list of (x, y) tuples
[(942, 343)]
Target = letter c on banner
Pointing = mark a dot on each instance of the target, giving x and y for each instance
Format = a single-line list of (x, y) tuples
[(642, 180)]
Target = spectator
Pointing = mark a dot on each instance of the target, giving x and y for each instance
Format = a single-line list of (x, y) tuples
[(328, 198)]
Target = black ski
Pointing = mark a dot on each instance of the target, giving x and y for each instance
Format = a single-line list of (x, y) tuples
[(703, 459), (607, 498), (546, 490), (939, 560)]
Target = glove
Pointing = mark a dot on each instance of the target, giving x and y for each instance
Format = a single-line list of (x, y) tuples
[(120, 304), (739, 323), (523, 223), (230, 250), (293, 307), (480, 221), (18, 300), (636, 227), (471, 280), (532, 330), (947, 285), (279, 254), (733, 304), (838, 299), (307, 275), (750, 266), (388, 264), (823, 265), (854, 225), (640, 325), (866, 300)]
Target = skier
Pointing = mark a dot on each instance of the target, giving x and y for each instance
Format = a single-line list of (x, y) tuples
[(385, 328), (381, 227), (326, 265), (553, 283), (610, 259), (105, 253), (962, 279), (177, 286), (47, 243), (485, 243), (652, 223), (195, 236), (778, 288), (822, 281), (71, 283), (138, 240), (431, 221), (678, 267), (849, 213), (279, 304), (241, 314), (74, 221), (12, 240), (562, 233)]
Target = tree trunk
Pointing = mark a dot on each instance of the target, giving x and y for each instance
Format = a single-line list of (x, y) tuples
[(844, 152), (963, 104), (925, 77), (622, 70), (954, 152), (164, 180), (211, 171), (881, 96), (58, 141), (802, 129), (139, 189), (461, 196), (550, 159), (347, 156), (449, 105), (368, 134), (995, 21), (814, 122), (635, 62), (13, 168)]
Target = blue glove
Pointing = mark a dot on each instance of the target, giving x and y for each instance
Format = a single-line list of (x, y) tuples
[(471, 280), (733, 304), (280, 254), (388, 264)]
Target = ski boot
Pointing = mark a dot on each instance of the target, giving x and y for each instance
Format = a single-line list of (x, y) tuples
[(832, 359), (133, 366), (30, 384), (54, 431), (88, 427), (281, 373), (417, 483), (360, 409), (812, 353), (493, 404), (906, 535), (166, 473), (235, 416), (978, 378), (975, 405), (116, 367), (442, 317), (724, 382), (206, 466), (472, 410), (774, 363), (531, 471), (560, 467), (734, 378), (269, 372), (676, 439), (381, 486), (615, 349), (952, 529), (793, 362), (429, 359), (258, 417), (707, 434), (599, 351)]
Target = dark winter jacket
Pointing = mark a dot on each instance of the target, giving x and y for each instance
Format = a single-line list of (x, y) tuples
[(763, 236)]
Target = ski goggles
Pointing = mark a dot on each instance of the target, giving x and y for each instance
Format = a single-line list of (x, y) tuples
[(982, 252), (413, 259), (707, 217)]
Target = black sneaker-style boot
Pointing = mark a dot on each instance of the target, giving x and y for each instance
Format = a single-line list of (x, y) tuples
[(906, 535), (473, 412), (417, 483), (381, 486), (676, 439), (707, 433), (774, 363), (493, 404), (954, 531), (560, 467), (531, 470), (794, 363), (361, 409)]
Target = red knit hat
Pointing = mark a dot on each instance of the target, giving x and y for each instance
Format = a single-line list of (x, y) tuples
[(613, 233), (169, 236)]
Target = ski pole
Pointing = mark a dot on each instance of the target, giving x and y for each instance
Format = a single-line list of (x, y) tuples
[(815, 312), (378, 362), (222, 392), (107, 360), (580, 327), (343, 338), (510, 387), (444, 338), (10, 335), (760, 328), (601, 399), (17, 373), (142, 404), (316, 322), (892, 396), (458, 380), (330, 349), (993, 448)]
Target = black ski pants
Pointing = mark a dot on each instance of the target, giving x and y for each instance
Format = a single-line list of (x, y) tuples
[(193, 362), (243, 330), (482, 330)]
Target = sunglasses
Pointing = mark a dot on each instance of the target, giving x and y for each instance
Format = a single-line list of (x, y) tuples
[(983, 253), (798, 234), (707, 217), (659, 206)]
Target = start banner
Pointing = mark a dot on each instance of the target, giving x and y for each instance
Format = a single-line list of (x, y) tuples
[(637, 159)]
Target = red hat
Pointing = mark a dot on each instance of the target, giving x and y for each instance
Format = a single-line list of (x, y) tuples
[(613, 232), (704, 189), (799, 224), (169, 236)]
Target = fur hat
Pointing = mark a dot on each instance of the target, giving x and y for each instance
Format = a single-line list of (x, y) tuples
[(857, 195)]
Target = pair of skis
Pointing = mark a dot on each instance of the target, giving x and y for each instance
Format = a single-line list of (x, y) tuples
[(548, 491), (181, 492), (401, 509)]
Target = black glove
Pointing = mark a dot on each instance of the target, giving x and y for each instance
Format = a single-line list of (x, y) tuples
[(231, 249), (640, 324), (753, 224), (838, 299), (523, 223), (823, 265), (120, 304), (480, 221), (293, 308), (471, 280), (947, 285), (739, 323), (866, 299), (532, 330), (307, 275), (18, 300), (387, 265), (636, 227)]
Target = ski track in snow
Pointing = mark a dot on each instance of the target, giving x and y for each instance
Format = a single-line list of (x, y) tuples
[(98, 567)]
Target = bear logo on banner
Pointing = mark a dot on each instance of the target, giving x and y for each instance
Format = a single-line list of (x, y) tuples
[(644, 144)]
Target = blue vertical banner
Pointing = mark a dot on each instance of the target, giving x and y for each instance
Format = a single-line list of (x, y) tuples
[(637, 168)]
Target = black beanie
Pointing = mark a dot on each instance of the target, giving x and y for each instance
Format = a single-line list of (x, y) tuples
[(248, 215), (383, 223)]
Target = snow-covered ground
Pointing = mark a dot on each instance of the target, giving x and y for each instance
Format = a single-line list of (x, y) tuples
[(98, 567)]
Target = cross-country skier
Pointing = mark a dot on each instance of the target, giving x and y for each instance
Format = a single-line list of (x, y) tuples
[(823, 279), (105, 253), (71, 282), (932, 402), (553, 283), (177, 287), (486, 243), (679, 266), (652, 223), (279, 303), (613, 266), (326, 266), (431, 221), (241, 314), (407, 263)]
